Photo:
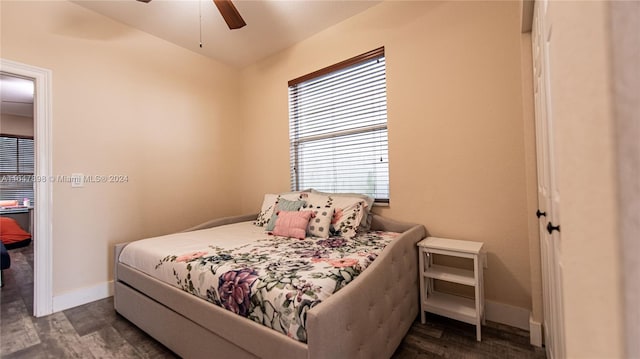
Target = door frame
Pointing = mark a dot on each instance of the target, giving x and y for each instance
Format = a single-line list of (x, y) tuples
[(42, 231), (626, 80)]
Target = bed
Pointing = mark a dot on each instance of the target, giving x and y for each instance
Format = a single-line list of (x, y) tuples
[(368, 317)]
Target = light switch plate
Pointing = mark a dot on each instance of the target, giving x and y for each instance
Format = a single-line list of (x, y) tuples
[(77, 180)]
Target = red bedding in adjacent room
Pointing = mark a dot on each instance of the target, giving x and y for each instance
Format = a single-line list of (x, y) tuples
[(11, 234)]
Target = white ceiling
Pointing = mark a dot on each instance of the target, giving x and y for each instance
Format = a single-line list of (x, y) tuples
[(17, 96), (272, 25)]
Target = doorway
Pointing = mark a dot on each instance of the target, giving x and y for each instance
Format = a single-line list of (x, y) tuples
[(42, 186), (17, 195)]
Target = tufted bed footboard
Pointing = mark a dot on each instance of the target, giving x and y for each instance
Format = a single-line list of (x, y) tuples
[(366, 319)]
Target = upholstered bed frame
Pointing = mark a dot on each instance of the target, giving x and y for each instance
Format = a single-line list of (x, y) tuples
[(366, 319)]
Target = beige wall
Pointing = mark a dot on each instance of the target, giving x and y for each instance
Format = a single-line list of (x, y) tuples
[(456, 144), (128, 103), (16, 125), (581, 96)]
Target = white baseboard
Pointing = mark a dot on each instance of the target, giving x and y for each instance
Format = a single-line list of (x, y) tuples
[(82, 296), (507, 314), (535, 332)]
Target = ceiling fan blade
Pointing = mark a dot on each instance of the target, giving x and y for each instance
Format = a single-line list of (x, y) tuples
[(230, 14), (228, 11)]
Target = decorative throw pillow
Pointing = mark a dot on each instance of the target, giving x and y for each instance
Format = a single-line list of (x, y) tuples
[(320, 224), (346, 221), (269, 206), (292, 224), (352, 198), (283, 205), (347, 215)]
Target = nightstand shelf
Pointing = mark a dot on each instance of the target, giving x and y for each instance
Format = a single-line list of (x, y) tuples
[(453, 306), (450, 274)]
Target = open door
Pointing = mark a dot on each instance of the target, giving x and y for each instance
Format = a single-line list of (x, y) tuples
[(548, 212)]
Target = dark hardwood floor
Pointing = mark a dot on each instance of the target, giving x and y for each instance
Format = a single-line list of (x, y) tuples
[(95, 330)]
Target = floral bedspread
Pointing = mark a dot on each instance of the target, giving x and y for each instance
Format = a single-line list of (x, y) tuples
[(274, 280)]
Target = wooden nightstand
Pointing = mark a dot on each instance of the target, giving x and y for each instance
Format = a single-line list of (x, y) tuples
[(456, 307)]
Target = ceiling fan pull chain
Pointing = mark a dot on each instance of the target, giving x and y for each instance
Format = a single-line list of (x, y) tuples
[(200, 9)]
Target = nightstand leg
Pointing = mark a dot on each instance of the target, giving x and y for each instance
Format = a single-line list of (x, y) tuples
[(477, 267), (423, 290)]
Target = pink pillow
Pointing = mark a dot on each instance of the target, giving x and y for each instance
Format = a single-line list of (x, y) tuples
[(292, 224)]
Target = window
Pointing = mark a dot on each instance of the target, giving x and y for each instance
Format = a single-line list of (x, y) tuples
[(338, 128), (16, 167)]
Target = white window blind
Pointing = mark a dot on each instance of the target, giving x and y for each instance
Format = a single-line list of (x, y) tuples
[(338, 128), (16, 168)]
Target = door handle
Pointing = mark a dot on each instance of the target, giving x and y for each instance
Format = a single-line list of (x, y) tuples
[(551, 228), (540, 214)]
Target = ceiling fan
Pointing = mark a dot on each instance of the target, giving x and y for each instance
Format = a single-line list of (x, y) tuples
[(228, 11)]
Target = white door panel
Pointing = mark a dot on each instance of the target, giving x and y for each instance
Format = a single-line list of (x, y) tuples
[(548, 193)]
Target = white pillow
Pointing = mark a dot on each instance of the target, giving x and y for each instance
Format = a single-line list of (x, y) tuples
[(347, 214), (347, 223), (366, 218), (268, 205)]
